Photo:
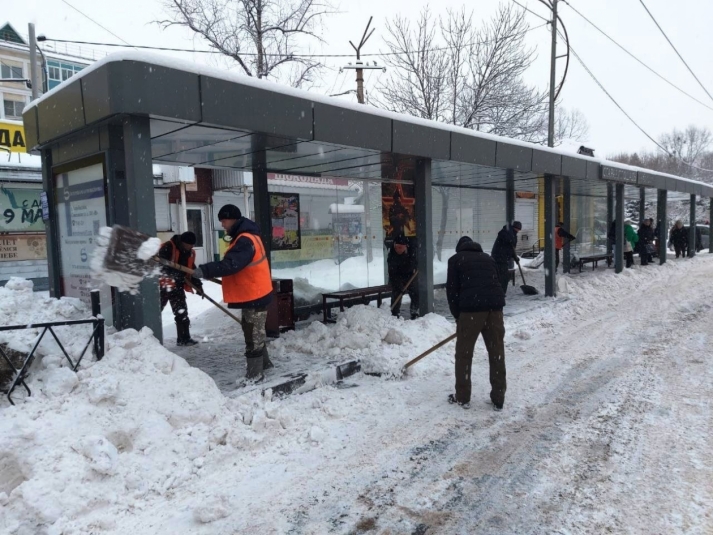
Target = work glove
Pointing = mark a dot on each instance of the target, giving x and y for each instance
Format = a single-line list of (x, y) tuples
[(198, 273)]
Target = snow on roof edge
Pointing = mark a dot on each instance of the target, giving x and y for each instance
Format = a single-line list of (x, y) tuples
[(196, 68)]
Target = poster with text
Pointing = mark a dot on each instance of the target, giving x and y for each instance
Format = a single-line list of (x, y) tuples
[(20, 210), (81, 212), (285, 217), (398, 210)]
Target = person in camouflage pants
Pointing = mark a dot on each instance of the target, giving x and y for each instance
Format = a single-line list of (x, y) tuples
[(253, 322)]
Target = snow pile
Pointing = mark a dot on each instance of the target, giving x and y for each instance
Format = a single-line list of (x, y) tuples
[(95, 444), (149, 249), (90, 449), (19, 305), (382, 342)]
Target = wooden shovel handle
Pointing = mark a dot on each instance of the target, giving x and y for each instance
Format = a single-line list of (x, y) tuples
[(179, 267), (428, 352), (396, 301), (221, 307)]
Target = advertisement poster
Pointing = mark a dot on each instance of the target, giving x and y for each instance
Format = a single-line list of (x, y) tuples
[(81, 212), (285, 216), (398, 210), (14, 247), (20, 210)]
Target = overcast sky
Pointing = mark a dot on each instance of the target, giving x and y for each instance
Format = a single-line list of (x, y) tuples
[(651, 102)]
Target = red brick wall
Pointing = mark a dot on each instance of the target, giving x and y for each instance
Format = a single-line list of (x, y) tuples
[(204, 178)]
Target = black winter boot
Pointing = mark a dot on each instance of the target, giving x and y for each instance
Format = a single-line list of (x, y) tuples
[(266, 362), (184, 334), (255, 366)]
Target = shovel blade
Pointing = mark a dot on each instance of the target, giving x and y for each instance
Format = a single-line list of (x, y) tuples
[(122, 252), (529, 290)]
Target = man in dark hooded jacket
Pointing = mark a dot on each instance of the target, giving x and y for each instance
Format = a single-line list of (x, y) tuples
[(402, 265), (247, 284), (504, 251), (476, 301)]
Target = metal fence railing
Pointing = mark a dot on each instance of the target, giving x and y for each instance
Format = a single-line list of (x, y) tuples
[(97, 337)]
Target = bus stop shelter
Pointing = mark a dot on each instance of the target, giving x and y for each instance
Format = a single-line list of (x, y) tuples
[(100, 132)]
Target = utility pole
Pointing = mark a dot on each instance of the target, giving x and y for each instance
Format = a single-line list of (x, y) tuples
[(553, 68), (33, 62), (360, 67)]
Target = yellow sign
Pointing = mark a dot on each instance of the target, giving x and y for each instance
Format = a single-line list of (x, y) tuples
[(12, 136)]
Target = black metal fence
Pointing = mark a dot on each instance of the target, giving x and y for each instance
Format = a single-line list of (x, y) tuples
[(97, 338)]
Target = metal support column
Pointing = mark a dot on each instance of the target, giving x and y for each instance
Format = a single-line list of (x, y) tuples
[(710, 227), (619, 216), (550, 222), (661, 224), (567, 215), (642, 205), (610, 214), (424, 234), (261, 199), (510, 197), (52, 231), (692, 228), (130, 176)]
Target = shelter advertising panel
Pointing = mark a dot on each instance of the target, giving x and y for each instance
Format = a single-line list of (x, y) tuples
[(20, 210), (398, 210), (16, 247), (80, 212), (285, 216)]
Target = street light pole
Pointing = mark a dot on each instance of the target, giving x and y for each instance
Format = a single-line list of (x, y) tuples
[(33, 62), (553, 68)]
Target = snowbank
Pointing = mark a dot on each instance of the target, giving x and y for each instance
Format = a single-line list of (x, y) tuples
[(382, 342)]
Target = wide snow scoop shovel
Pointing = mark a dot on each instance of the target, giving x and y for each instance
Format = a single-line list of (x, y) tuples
[(122, 254), (427, 352), (398, 299), (527, 290)]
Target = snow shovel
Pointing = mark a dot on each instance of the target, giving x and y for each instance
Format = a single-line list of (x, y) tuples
[(527, 290), (398, 299), (221, 307), (427, 352)]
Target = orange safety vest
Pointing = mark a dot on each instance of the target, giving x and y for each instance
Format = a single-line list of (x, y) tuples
[(254, 280), (168, 282), (559, 242)]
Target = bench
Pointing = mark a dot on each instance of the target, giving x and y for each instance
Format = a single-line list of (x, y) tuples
[(594, 260), (352, 297)]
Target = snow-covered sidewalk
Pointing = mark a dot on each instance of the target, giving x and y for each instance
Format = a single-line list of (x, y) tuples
[(606, 428)]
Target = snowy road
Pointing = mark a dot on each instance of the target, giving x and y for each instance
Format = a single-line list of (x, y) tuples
[(607, 429)]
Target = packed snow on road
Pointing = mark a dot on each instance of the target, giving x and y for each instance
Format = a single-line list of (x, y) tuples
[(607, 425)]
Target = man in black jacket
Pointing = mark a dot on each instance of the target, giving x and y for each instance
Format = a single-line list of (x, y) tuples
[(476, 301), (247, 284), (504, 251), (402, 265)]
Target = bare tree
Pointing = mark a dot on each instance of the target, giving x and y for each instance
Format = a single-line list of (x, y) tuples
[(687, 154), (419, 88), (448, 70), (262, 36)]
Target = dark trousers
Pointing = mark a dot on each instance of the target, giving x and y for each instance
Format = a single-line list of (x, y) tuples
[(503, 275), (557, 258), (629, 257), (470, 325), (397, 286), (680, 250), (177, 298)]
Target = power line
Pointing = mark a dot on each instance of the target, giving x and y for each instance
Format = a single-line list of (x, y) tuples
[(530, 11), (251, 54), (675, 50), (635, 58), (95, 22), (596, 81)]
